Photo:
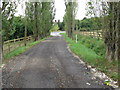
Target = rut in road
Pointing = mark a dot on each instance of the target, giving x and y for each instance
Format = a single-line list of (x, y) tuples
[(48, 64)]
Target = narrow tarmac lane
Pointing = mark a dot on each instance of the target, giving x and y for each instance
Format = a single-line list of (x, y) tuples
[(48, 64)]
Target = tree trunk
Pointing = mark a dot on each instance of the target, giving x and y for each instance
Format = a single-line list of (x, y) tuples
[(1, 41), (1, 49), (36, 18), (25, 37), (112, 33), (117, 43), (117, 52)]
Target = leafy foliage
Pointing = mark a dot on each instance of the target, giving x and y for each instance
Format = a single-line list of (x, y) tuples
[(69, 17), (8, 11), (88, 24), (54, 28), (40, 18), (38, 15), (61, 25)]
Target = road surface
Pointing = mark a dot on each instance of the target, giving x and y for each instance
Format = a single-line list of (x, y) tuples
[(48, 64)]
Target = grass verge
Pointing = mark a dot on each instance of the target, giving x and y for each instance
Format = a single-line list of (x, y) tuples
[(93, 54), (20, 50)]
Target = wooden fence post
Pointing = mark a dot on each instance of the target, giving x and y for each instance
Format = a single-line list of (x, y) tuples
[(14, 43), (1, 48), (19, 42), (76, 38), (9, 46)]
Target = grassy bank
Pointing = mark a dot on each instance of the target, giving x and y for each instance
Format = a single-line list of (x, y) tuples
[(20, 50), (92, 51)]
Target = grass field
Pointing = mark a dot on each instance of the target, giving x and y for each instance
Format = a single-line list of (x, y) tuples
[(92, 52)]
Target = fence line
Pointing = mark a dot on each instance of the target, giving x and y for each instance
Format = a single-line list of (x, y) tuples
[(11, 45), (94, 34)]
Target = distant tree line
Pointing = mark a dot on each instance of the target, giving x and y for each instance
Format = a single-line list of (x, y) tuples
[(61, 25), (88, 24)]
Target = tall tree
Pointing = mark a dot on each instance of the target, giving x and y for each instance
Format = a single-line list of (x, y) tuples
[(42, 15), (48, 13), (109, 11), (69, 17), (7, 15), (8, 11), (1, 44), (112, 34)]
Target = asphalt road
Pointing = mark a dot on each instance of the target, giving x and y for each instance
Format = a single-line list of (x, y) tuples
[(48, 64)]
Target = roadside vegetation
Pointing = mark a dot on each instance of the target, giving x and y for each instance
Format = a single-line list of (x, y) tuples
[(88, 24), (101, 16), (20, 50), (37, 22), (54, 28), (92, 51)]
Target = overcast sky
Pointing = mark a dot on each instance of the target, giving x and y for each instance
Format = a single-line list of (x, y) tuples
[(60, 9)]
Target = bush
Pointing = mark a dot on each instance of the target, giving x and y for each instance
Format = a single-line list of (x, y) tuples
[(54, 28)]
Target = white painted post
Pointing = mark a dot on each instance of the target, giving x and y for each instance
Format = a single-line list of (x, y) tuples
[(76, 38)]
